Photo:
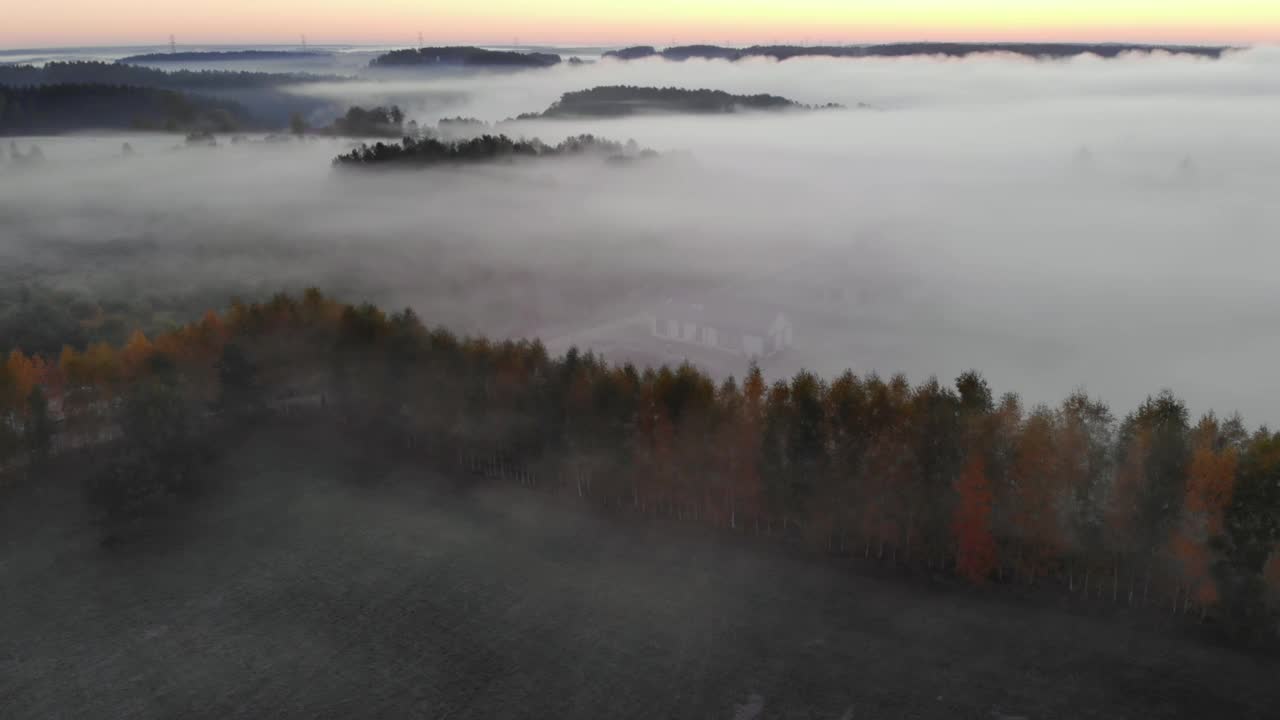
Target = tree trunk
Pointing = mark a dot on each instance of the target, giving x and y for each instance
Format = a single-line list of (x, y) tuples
[(906, 557)]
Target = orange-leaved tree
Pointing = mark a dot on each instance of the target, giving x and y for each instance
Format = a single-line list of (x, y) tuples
[(1210, 481), (976, 548)]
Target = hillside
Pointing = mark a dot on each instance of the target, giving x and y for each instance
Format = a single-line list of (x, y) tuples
[(265, 96), (86, 72), (62, 108), (325, 574)]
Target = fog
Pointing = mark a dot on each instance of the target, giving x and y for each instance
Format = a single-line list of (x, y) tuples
[(1083, 223)]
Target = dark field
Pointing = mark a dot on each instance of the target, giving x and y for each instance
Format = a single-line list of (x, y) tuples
[(291, 591)]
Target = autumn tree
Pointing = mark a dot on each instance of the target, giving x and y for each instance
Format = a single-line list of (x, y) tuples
[(1251, 531), (1210, 481), (1082, 450), (937, 446), (1037, 497), (850, 436), (975, 545)]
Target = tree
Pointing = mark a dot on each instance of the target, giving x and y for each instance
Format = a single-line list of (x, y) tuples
[(937, 445), (1164, 419), (237, 377), (135, 354), (1210, 482), (1083, 459), (297, 125), (1251, 530), (39, 426), (1036, 498), (976, 548)]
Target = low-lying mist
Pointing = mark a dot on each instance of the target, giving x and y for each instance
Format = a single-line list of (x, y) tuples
[(1092, 223)]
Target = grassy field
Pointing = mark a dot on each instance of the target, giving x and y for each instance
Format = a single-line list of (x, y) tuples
[(292, 591)]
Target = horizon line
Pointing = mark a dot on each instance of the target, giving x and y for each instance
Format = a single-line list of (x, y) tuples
[(604, 45)]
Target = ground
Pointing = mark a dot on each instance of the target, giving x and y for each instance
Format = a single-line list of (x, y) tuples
[(291, 591)]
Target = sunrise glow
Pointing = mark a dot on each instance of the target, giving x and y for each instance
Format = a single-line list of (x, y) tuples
[(636, 21)]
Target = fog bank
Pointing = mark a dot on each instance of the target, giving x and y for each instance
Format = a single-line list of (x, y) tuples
[(1093, 223)]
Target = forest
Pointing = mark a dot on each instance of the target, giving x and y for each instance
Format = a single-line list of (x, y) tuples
[(103, 73), (1152, 510), (58, 108), (463, 56), (947, 49), (430, 151), (622, 100), (371, 122)]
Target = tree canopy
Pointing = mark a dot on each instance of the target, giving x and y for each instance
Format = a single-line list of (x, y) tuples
[(1151, 511)]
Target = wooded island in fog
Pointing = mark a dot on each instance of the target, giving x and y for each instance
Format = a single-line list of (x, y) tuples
[(463, 56), (428, 151), (622, 100)]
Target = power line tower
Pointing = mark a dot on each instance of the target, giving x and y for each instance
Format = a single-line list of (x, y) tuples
[(304, 42), (421, 44), (173, 45)]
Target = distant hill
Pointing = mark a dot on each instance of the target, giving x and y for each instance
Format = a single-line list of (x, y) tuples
[(1034, 50), (464, 56), (264, 95), (63, 108), (60, 73), (623, 100), (223, 56)]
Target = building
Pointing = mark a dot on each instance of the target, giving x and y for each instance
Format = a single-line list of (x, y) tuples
[(735, 329)]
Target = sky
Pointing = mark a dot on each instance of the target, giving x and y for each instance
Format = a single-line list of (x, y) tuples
[(116, 22)]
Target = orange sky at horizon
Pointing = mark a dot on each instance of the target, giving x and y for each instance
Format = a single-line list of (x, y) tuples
[(661, 22)]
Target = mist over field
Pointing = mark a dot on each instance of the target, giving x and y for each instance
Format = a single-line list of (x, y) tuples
[(1087, 222)]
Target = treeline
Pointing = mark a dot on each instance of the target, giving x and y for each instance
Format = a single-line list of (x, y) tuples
[(225, 56), (463, 56), (372, 122), (1148, 510), (102, 73), (1033, 50), (57, 108), (430, 151), (623, 100)]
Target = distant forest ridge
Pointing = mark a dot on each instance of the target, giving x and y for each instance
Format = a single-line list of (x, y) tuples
[(429, 151), (464, 56), (622, 100), (1033, 50), (221, 55), (59, 73), (62, 108)]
